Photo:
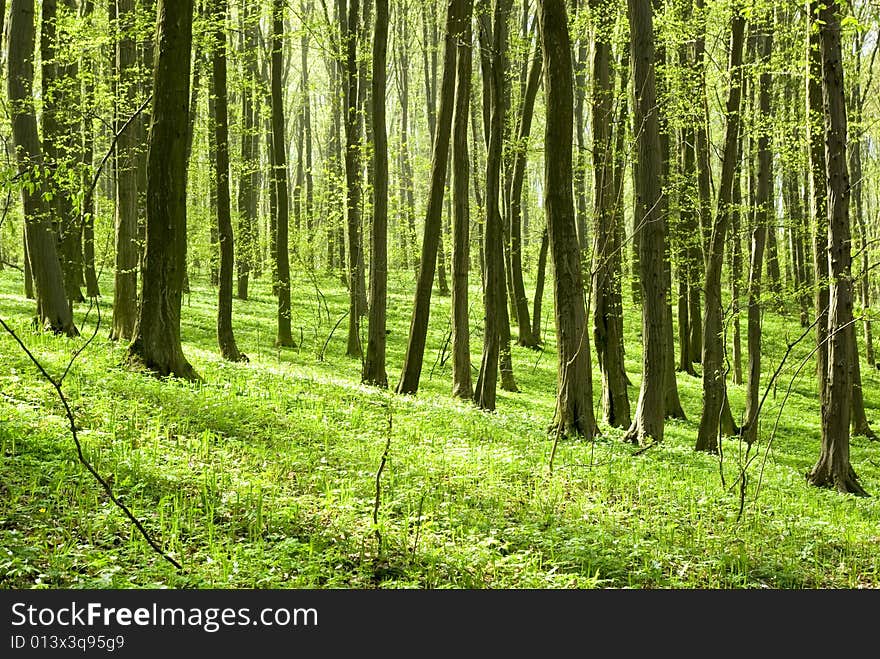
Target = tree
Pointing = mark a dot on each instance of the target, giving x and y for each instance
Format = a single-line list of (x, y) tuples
[(225, 335), (156, 340), (649, 419), (715, 404), (53, 311), (574, 403), (415, 348), (461, 353), (279, 178), (834, 469), (374, 365), (607, 302)]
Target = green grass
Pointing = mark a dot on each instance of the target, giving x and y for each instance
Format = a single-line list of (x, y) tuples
[(264, 474)]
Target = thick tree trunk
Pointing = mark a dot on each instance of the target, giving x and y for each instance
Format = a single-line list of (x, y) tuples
[(415, 349), (156, 343), (716, 409), (834, 469), (225, 335), (279, 156), (53, 310), (462, 386), (650, 412), (574, 401), (374, 365)]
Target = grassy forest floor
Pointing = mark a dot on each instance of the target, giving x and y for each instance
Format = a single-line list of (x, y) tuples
[(264, 475)]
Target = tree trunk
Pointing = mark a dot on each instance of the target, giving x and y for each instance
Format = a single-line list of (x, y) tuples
[(574, 401), (764, 214), (462, 386), (87, 210), (650, 412), (279, 155), (60, 145), (374, 365), (53, 310), (306, 156), (518, 169), (415, 349), (606, 306), (819, 199), (225, 335), (834, 469), (715, 405), (494, 299), (352, 179), (249, 183), (539, 285), (156, 343)]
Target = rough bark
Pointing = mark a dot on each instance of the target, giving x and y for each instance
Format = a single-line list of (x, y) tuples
[(225, 335), (834, 468), (574, 402), (715, 405), (650, 412), (374, 364), (279, 171), (53, 310), (415, 349), (156, 343)]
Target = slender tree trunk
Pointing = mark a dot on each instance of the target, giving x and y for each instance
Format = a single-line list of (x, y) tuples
[(833, 468), (819, 205), (518, 168), (606, 308), (650, 412), (352, 179), (306, 157), (225, 335), (715, 403), (374, 365), (495, 303), (415, 349), (156, 343), (574, 401), (764, 214), (279, 155), (462, 386), (539, 284), (87, 210), (736, 268), (53, 310), (59, 141)]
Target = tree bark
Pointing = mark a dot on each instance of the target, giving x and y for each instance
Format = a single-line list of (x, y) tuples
[(834, 469), (279, 155), (715, 404), (225, 335), (374, 365), (462, 386), (574, 401), (53, 310), (156, 343), (415, 349), (249, 182), (761, 226), (650, 412)]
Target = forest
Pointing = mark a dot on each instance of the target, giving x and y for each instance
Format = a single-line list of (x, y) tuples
[(475, 294)]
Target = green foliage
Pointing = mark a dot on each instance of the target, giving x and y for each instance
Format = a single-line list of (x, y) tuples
[(264, 475)]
